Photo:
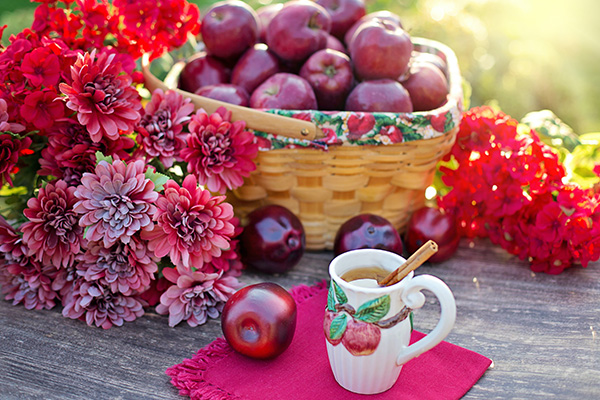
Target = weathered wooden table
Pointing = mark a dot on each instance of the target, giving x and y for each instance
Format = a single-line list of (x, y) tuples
[(542, 331)]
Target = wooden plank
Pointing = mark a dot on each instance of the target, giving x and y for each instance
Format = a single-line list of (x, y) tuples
[(542, 332)]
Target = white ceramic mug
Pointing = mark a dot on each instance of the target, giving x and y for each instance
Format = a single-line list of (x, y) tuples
[(368, 329)]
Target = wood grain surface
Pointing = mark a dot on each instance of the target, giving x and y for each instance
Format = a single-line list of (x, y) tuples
[(541, 331)]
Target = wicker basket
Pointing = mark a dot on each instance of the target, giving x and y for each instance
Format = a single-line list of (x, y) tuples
[(326, 188)]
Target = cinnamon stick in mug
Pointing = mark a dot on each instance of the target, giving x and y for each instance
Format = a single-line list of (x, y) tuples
[(413, 262)]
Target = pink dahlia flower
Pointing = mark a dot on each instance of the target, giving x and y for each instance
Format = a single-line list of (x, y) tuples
[(99, 305), (219, 152), (53, 233), (192, 225), (11, 244), (10, 150), (115, 202), (6, 126), (124, 268), (28, 283), (71, 152), (162, 125), (195, 295), (102, 96)]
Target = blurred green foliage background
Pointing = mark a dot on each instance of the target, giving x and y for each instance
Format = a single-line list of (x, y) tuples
[(522, 55)]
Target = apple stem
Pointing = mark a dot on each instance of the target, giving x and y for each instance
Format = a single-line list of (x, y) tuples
[(345, 307), (392, 321)]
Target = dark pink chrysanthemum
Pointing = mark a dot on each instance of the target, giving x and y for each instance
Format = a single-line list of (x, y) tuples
[(99, 306), (116, 202), (6, 126), (124, 268), (11, 244), (192, 225), (10, 150), (28, 283), (53, 233), (162, 125), (102, 96), (219, 152), (71, 152), (195, 296)]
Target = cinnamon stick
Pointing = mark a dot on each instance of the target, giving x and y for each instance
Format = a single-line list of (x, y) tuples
[(413, 262)]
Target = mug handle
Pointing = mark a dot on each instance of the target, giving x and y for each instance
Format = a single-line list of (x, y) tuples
[(413, 298)]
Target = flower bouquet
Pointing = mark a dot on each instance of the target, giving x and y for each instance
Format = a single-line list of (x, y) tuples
[(112, 198)]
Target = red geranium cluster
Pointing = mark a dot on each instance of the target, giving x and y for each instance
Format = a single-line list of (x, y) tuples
[(103, 233), (509, 186)]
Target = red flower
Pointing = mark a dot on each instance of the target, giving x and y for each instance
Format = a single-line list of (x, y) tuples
[(219, 152), (71, 152), (6, 126), (41, 67), (102, 96), (10, 150), (192, 226), (162, 125), (52, 233), (42, 108)]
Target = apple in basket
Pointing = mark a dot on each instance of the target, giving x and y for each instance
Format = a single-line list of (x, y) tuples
[(299, 29), (228, 28), (265, 15), (285, 91), (329, 72), (202, 70), (383, 15), (344, 13), (225, 92), (273, 239), (428, 223), (367, 231), (427, 86), (380, 49), (254, 67), (382, 95), (259, 320)]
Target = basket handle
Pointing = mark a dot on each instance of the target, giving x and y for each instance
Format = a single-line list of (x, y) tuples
[(255, 119)]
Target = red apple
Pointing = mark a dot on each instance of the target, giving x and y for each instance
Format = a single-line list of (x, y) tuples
[(427, 86), (431, 224), (273, 240), (329, 72), (383, 95), (299, 29), (333, 43), (367, 231), (284, 91), (265, 15), (344, 13), (382, 15), (330, 316), (228, 28), (202, 70), (259, 320), (380, 49), (254, 67), (420, 57), (225, 92), (361, 338)]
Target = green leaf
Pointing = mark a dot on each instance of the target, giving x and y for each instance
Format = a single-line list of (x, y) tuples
[(339, 293), (330, 298), (102, 157), (338, 326), (410, 318), (158, 179), (373, 310), (87, 228)]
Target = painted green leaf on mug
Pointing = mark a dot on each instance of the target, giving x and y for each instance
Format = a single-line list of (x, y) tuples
[(338, 326), (339, 293), (330, 298), (373, 310)]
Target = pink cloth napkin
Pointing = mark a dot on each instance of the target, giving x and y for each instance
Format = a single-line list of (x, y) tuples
[(303, 372)]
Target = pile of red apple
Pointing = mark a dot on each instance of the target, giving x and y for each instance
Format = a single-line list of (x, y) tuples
[(305, 55)]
